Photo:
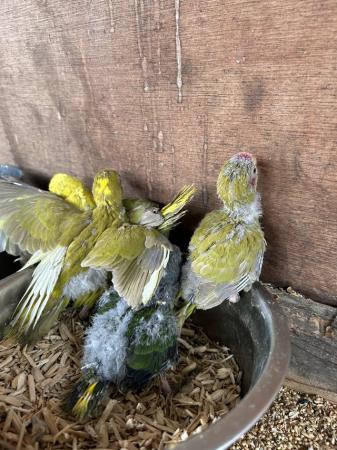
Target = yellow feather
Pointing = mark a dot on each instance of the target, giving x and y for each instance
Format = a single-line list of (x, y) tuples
[(81, 406), (99, 238), (72, 190), (180, 200), (173, 211), (107, 188)]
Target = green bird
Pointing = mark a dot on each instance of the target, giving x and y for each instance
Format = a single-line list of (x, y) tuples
[(125, 347), (71, 189), (58, 236), (75, 241), (139, 211), (226, 250)]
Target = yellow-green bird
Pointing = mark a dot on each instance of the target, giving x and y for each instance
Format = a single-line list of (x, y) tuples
[(139, 211), (226, 250), (75, 240), (72, 190)]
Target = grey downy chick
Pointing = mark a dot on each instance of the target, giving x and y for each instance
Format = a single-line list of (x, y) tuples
[(126, 347)]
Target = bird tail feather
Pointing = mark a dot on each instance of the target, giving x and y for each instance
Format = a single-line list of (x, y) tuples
[(173, 211), (85, 397)]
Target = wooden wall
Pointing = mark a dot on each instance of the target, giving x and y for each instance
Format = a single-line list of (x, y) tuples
[(165, 90)]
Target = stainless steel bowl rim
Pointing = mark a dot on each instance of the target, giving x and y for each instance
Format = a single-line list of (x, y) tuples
[(229, 429)]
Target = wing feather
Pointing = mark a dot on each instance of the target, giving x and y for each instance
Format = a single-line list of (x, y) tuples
[(137, 258), (224, 260), (34, 300), (32, 219)]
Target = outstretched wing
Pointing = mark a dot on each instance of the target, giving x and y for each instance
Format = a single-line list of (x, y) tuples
[(33, 303), (32, 219), (137, 258)]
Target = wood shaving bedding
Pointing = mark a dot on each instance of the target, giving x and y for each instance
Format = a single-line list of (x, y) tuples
[(34, 381)]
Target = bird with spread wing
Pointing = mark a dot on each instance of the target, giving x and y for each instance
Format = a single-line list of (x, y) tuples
[(76, 237)]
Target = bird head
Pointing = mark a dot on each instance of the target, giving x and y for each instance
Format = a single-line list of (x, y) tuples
[(143, 212), (237, 180), (73, 190), (107, 188)]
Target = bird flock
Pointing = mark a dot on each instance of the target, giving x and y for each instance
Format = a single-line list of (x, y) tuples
[(111, 257)]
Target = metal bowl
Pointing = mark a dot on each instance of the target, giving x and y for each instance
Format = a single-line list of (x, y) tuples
[(253, 329), (258, 336)]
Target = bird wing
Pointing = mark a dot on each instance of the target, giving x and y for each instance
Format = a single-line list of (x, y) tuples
[(33, 220), (34, 300), (137, 258), (223, 252), (225, 259)]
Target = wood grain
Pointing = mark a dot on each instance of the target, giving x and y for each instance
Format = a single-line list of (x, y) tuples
[(165, 90), (313, 329)]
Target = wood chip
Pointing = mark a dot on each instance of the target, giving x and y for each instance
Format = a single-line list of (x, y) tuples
[(29, 359), (115, 429), (31, 387), (50, 421), (103, 436), (223, 373), (189, 368), (37, 374), (63, 431), (204, 385), (50, 362), (21, 435), (8, 420), (10, 400), (108, 409), (6, 362)]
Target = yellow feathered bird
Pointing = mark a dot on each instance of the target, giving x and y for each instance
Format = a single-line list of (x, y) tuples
[(139, 211), (226, 250), (72, 190), (75, 241)]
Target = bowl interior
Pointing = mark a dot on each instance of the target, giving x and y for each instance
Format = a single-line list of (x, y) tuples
[(258, 336), (246, 328)]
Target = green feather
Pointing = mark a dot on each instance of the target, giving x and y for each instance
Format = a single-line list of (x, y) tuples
[(153, 343)]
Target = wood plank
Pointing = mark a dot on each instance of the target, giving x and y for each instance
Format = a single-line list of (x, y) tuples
[(165, 90), (313, 328)]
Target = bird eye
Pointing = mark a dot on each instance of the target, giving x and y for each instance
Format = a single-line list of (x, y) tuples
[(155, 211)]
